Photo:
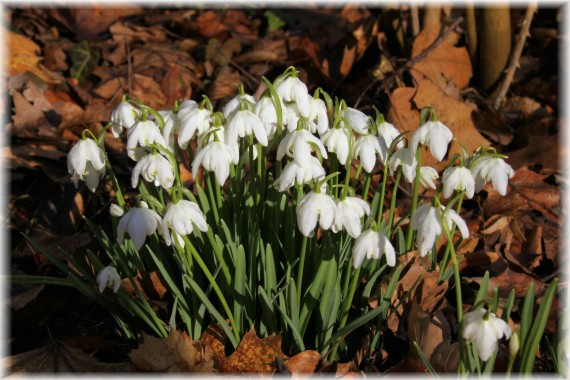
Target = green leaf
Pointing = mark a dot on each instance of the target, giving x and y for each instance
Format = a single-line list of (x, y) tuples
[(274, 22), (83, 60)]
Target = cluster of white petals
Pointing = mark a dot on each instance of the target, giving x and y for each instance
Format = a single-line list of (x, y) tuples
[(180, 217), (142, 134), (366, 148), (86, 162), (313, 208), (153, 168), (458, 178), (216, 157), (108, 277), (495, 169), (138, 222), (123, 117), (372, 245), (435, 135), (349, 211), (485, 329)]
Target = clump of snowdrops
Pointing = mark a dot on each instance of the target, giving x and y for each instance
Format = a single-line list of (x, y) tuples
[(280, 226)]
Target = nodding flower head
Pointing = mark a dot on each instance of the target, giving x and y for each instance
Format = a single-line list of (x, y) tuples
[(371, 245), (139, 223), (485, 329), (435, 135), (313, 208), (86, 162)]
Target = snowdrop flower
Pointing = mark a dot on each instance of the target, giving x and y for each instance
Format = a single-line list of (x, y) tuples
[(181, 217), (292, 116), (124, 116), (108, 277), (234, 103), (404, 158), (266, 110), (313, 208), (155, 168), (302, 142), (388, 133), (217, 157), (336, 141), (172, 120), (458, 178), (484, 328), (142, 134), (495, 169), (428, 219), (435, 135), (318, 112), (427, 175), (244, 123), (116, 210), (349, 211), (357, 120), (86, 162), (372, 244), (300, 173), (139, 222), (292, 89), (197, 120), (366, 147)]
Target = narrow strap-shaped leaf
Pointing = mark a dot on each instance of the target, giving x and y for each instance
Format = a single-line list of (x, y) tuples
[(526, 313), (425, 360)]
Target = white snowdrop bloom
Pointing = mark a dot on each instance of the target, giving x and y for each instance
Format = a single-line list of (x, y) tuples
[(108, 277), (485, 329), (366, 147), (318, 118), (435, 135), (138, 222), (292, 89), (458, 178), (172, 122), (493, 169), (371, 245), (244, 123), (266, 110), (336, 140), (302, 142), (155, 168), (388, 133), (234, 104), (194, 122), (313, 208), (357, 120), (406, 159), (123, 117), (180, 217), (116, 210), (217, 157), (349, 211), (142, 134), (86, 162), (292, 116), (300, 173), (428, 219), (427, 176)]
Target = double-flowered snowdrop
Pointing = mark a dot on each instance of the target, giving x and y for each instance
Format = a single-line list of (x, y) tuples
[(154, 168), (86, 162), (495, 169), (435, 135), (299, 144), (172, 120), (373, 244), (108, 277), (234, 104), (427, 176), (266, 110), (123, 117), (139, 223), (357, 120), (181, 217), (194, 122), (337, 140), (388, 133), (485, 329), (405, 159), (458, 178), (242, 123), (142, 134), (428, 221), (366, 148), (216, 157), (296, 172), (349, 211), (315, 207), (318, 118), (292, 89)]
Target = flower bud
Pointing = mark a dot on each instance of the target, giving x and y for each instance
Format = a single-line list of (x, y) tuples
[(116, 210), (514, 344)]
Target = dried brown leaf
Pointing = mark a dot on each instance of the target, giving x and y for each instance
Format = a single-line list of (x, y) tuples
[(348, 59), (254, 355), (22, 56), (304, 363), (91, 21), (224, 85)]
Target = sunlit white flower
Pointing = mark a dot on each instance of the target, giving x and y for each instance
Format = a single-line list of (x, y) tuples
[(302, 142), (108, 277), (427, 176), (180, 217), (172, 121), (371, 245), (234, 104), (124, 116), (428, 219), (138, 222), (154, 168), (217, 157), (292, 116), (366, 147), (388, 132), (86, 162), (266, 110), (349, 211), (142, 134), (435, 135), (318, 118), (493, 169), (406, 159), (292, 89), (194, 122), (299, 173), (313, 208), (485, 329), (116, 210), (336, 140), (244, 123), (357, 120), (458, 178)]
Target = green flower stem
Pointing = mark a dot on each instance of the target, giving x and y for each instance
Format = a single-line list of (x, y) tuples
[(510, 366), (382, 194), (215, 286), (118, 192), (346, 306), (410, 233), (301, 269), (367, 179), (445, 259), (393, 201), (357, 175)]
